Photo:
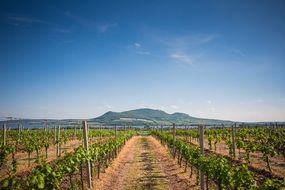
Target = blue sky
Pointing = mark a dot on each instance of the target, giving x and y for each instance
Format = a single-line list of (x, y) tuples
[(217, 59)]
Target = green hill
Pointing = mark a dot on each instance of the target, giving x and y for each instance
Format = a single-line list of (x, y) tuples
[(147, 116)]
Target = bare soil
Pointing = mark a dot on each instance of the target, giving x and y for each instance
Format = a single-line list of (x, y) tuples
[(277, 162), (144, 163), (23, 159)]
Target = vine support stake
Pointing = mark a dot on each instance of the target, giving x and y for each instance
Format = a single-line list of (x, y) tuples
[(201, 139), (18, 137), (86, 146), (19, 128), (46, 125), (4, 133), (233, 140), (185, 136), (115, 132), (54, 130), (173, 137), (58, 141)]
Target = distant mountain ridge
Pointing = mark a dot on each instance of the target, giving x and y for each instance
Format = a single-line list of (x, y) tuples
[(137, 117), (146, 116)]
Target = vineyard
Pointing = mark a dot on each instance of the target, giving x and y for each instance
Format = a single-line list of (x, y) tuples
[(87, 156)]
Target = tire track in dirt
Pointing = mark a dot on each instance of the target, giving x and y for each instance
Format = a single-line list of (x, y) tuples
[(176, 175), (144, 163)]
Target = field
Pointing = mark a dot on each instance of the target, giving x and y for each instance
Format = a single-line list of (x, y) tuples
[(169, 157)]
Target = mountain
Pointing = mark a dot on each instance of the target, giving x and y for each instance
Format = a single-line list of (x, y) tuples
[(147, 116)]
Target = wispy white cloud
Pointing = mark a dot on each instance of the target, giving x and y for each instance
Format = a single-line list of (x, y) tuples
[(178, 46), (137, 44), (186, 41), (26, 19), (104, 27), (183, 48), (181, 58), (101, 27), (172, 40), (138, 49)]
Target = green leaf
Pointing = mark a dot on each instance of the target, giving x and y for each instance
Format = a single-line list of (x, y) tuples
[(5, 183)]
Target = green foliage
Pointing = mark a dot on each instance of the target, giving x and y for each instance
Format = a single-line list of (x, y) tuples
[(10, 183), (243, 178), (5, 150), (272, 185), (49, 177), (217, 168)]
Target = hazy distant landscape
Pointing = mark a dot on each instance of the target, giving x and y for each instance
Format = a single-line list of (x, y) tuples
[(148, 117), (138, 117)]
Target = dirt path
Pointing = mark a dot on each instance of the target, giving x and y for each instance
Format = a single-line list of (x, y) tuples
[(144, 163)]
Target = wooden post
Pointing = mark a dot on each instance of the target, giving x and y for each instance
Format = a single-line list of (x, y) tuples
[(54, 130), (185, 136), (233, 140), (116, 132), (74, 132), (58, 141), (173, 137), (201, 139), (4, 133), (45, 125), (86, 146), (19, 128), (18, 137)]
